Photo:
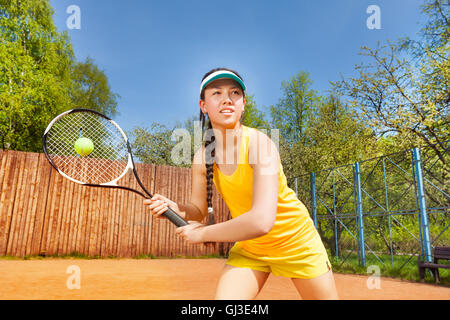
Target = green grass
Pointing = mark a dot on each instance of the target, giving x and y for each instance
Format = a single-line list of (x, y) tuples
[(403, 267)]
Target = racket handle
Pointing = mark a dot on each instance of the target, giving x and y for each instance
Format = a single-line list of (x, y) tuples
[(174, 218)]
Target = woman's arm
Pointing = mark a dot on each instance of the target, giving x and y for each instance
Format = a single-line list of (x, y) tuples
[(196, 208), (264, 158)]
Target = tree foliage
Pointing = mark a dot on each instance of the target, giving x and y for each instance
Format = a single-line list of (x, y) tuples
[(252, 116), (91, 89), (35, 65), (404, 90), (39, 76)]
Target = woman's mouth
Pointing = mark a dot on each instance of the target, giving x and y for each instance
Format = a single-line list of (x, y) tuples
[(227, 111)]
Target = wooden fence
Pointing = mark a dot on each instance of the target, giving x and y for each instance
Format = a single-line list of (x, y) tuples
[(43, 213)]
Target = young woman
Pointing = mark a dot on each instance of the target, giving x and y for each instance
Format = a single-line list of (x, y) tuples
[(271, 228)]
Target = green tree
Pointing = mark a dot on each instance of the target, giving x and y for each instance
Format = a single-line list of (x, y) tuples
[(91, 89), (35, 78), (295, 110), (404, 90), (154, 144), (404, 94), (252, 116), (39, 77)]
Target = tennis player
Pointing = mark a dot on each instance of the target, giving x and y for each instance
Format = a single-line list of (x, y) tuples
[(271, 228)]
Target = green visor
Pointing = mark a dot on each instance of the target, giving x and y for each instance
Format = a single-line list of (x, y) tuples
[(220, 75)]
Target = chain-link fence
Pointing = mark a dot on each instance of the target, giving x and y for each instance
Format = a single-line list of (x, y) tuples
[(388, 211)]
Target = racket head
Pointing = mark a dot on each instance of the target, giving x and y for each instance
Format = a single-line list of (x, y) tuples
[(110, 158), (109, 161)]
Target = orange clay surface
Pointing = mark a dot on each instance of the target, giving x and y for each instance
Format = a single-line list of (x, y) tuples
[(171, 279)]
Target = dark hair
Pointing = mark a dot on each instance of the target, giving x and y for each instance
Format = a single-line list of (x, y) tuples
[(209, 156)]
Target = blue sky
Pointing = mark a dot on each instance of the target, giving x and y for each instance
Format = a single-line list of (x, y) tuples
[(156, 52)]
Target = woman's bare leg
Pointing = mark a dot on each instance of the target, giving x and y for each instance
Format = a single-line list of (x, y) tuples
[(240, 283), (319, 288)]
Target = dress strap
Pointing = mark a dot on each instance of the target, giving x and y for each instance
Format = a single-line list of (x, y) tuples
[(243, 153)]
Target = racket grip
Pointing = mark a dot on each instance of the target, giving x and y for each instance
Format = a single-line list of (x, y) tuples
[(174, 218)]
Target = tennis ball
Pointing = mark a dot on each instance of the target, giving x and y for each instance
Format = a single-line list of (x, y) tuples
[(84, 146)]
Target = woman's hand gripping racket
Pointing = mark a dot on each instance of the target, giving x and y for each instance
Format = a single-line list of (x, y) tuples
[(88, 148)]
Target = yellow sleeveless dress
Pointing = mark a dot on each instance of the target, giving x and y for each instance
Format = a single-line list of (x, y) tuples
[(293, 247)]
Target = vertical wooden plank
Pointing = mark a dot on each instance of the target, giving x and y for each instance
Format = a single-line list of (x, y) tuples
[(17, 208), (188, 248), (18, 211), (64, 216), (159, 223), (84, 216), (139, 221), (155, 222), (179, 180), (149, 175), (160, 188), (55, 216), (76, 239), (131, 206), (126, 220), (74, 219), (105, 211), (2, 169), (171, 194), (30, 196), (46, 211), (45, 174), (138, 215), (93, 215), (114, 223), (36, 196), (184, 200), (99, 227), (166, 230), (50, 220), (121, 222), (117, 215)]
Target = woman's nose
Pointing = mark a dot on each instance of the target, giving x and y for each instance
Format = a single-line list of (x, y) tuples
[(227, 100)]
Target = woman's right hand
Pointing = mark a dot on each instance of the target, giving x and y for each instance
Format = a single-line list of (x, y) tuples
[(158, 204)]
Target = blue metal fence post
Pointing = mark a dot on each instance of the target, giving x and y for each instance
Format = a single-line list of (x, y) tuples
[(359, 210), (423, 216), (313, 198)]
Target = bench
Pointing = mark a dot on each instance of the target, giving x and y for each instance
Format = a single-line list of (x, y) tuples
[(440, 253)]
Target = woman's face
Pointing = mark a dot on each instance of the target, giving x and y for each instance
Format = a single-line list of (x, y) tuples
[(223, 102)]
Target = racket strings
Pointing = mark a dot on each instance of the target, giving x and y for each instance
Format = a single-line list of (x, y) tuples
[(107, 161)]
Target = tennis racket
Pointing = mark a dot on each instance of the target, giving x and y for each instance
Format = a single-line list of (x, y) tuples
[(107, 157)]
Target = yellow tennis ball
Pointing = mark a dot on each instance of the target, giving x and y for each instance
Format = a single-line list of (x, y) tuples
[(84, 146)]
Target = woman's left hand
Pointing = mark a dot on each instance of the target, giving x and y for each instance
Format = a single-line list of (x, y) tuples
[(192, 233)]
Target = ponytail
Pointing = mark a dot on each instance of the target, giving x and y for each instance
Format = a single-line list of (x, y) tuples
[(209, 157)]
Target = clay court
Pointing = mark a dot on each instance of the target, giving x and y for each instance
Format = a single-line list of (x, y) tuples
[(172, 279)]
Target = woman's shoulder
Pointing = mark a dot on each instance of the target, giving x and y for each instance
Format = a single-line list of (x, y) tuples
[(261, 147), (259, 138)]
